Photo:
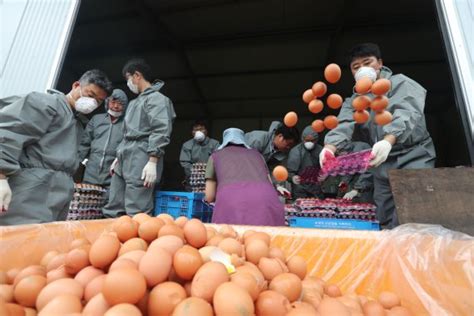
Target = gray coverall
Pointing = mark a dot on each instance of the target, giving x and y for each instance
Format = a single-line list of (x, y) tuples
[(148, 125), (414, 148), (39, 137)]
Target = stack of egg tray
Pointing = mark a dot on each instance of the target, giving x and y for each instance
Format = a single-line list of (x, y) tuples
[(332, 208), (353, 163), (197, 180), (87, 202)]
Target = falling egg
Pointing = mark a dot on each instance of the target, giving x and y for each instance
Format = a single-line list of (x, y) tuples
[(361, 117), (290, 119), (383, 118), (330, 122), (381, 86), (334, 101), (315, 106), (280, 173), (332, 73), (363, 85), (319, 89), (318, 126), (379, 103), (361, 102), (308, 95)]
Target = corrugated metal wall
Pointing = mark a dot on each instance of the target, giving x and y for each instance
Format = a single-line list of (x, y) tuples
[(36, 32)]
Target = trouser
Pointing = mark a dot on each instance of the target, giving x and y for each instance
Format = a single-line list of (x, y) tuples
[(306, 191), (38, 196)]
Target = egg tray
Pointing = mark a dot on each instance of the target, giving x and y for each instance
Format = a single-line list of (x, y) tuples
[(197, 180), (310, 175), (349, 164), (87, 188)]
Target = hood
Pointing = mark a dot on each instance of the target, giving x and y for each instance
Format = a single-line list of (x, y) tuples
[(120, 95), (233, 136), (309, 131)]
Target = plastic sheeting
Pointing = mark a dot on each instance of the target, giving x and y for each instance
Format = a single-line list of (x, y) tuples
[(429, 267)]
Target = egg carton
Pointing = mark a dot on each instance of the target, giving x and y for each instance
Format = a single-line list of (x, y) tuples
[(310, 175), (349, 164), (86, 187)]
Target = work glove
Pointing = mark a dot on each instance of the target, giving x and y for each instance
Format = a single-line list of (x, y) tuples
[(84, 162), (149, 174), (5, 195), (380, 152), (324, 155), (283, 192), (350, 195), (112, 166), (296, 179)]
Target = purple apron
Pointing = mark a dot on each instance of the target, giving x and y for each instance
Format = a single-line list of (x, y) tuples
[(245, 195)]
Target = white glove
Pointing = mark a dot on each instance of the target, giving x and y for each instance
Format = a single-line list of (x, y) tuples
[(112, 166), (284, 192), (380, 152), (296, 179), (84, 162), (324, 154), (149, 174), (5, 195), (350, 195)]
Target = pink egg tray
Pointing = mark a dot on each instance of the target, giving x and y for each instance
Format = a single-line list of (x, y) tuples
[(310, 175), (352, 163)]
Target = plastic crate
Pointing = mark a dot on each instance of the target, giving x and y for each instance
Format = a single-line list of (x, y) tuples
[(189, 204), (332, 223)]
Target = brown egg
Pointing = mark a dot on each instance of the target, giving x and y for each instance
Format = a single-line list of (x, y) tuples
[(373, 308), (315, 106), (148, 230), (308, 95), (247, 234), (181, 221), (361, 102), (169, 243), (332, 73), (330, 122), (136, 256), (210, 232), (143, 303), (56, 274), (94, 287), (231, 299), (11, 274), (319, 89), (389, 299), (256, 273), (399, 311), (15, 309), (379, 103), (155, 266), (87, 274), (363, 85), (96, 306), (297, 265), (141, 218), (167, 218), (133, 244), (104, 251), (381, 86), (56, 262), (334, 101), (195, 233), (236, 261), (30, 270), (114, 290), (275, 252), (256, 249), (270, 268), (214, 241), (330, 306), (123, 310), (171, 229), (76, 260), (302, 309), (122, 264), (271, 303), (288, 284), (230, 246), (246, 281), (318, 126), (363, 299), (56, 288), (207, 279), (79, 242), (206, 252), (28, 311), (361, 117), (383, 118), (62, 305), (48, 257), (193, 306), (290, 119), (27, 290), (332, 290), (186, 262), (165, 297), (6, 292), (125, 229), (228, 231)]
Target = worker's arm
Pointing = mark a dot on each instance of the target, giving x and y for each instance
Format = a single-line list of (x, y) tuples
[(161, 124), (185, 159), (86, 140), (211, 181)]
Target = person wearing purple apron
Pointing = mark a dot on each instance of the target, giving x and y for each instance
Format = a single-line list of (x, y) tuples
[(237, 179)]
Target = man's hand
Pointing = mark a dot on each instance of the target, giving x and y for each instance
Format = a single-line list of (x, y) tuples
[(5, 195), (327, 153)]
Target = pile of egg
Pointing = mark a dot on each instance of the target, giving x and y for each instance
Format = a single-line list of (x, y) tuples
[(161, 266)]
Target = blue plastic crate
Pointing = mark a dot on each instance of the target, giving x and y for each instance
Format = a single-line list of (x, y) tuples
[(332, 223), (187, 204)]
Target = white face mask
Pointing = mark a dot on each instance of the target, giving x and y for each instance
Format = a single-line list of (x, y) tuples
[(199, 136), (113, 113), (366, 72), (131, 86), (308, 145), (85, 105)]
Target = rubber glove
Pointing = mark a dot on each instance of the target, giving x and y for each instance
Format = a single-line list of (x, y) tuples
[(283, 192), (350, 195), (5, 195), (380, 152), (84, 162), (326, 153), (296, 179), (112, 166), (149, 174)]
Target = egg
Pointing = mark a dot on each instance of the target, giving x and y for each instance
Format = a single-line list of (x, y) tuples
[(214, 241), (231, 299), (195, 233), (361, 117), (290, 119), (206, 280), (271, 267), (79, 242), (76, 260), (383, 118), (123, 263), (62, 305), (193, 306), (315, 106), (280, 173), (332, 290), (231, 246), (156, 265), (228, 231), (298, 266), (363, 85), (141, 218), (271, 303), (48, 257), (318, 126), (301, 309), (125, 229), (14, 309), (87, 274), (27, 290), (373, 308), (56, 274), (255, 250), (114, 290), (288, 284), (330, 306), (330, 122), (308, 95), (389, 299), (3, 277), (94, 287), (136, 256), (379, 103), (148, 230), (143, 303), (104, 251), (334, 101), (275, 252), (181, 221), (167, 218), (361, 102), (123, 310), (56, 262), (246, 281), (6, 292), (332, 73), (11, 274), (206, 252), (165, 297), (186, 262), (133, 244), (56, 288), (171, 229), (251, 269), (96, 306), (399, 311), (319, 89), (28, 311), (381, 86)]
